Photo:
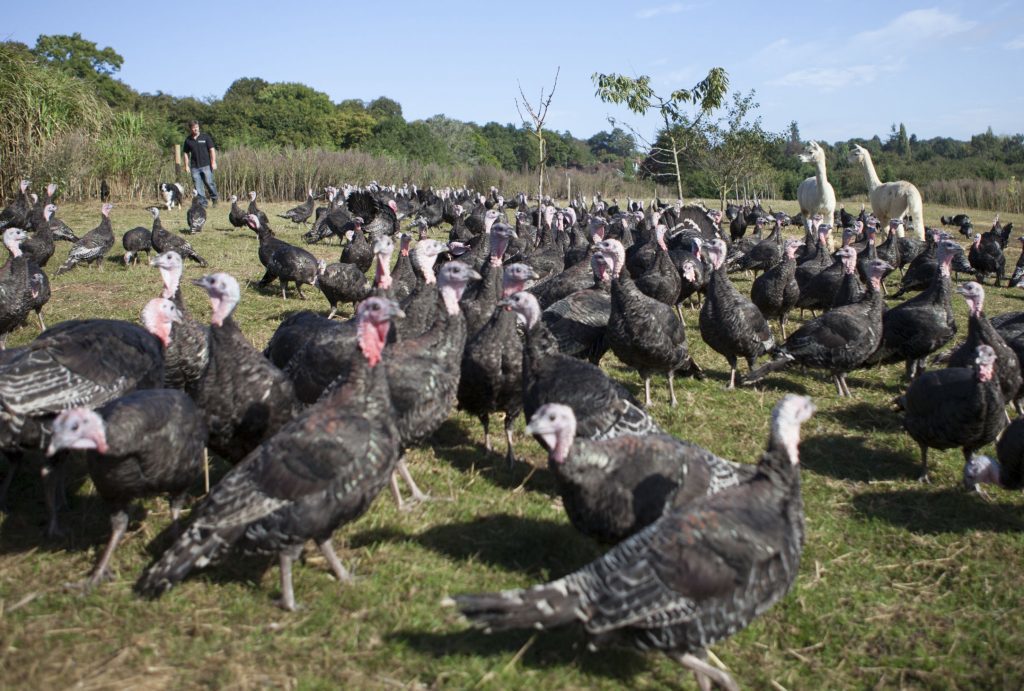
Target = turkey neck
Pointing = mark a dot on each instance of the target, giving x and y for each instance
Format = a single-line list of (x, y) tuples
[(538, 346)]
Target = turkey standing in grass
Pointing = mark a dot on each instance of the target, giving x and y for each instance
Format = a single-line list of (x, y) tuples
[(613, 488), (135, 242), (775, 291), (196, 214), (255, 211), (604, 408), (244, 397), (578, 322), (165, 241), (282, 260), (643, 332), (956, 407), (15, 286), (301, 213), (321, 470), (17, 213), (492, 364), (731, 324), (236, 217), (94, 245), (187, 352), (697, 575), (142, 444), (839, 340), (980, 331)]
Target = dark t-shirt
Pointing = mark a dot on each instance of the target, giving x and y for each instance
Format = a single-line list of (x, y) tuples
[(198, 149)]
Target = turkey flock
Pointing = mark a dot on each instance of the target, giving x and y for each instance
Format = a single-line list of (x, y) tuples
[(496, 307)]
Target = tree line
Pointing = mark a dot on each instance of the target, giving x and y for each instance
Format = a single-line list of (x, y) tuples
[(67, 117)]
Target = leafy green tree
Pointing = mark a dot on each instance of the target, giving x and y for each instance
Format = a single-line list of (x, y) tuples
[(384, 107), (638, 95), (351, 128), (612, 146), (294, 114), (84, 59)]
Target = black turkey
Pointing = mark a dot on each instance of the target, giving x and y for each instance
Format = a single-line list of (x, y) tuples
[(578, 321), (17, 213), (839, 340), (142, 444), (915, 329), (61, 369), (165, 241), (40, 246), (254, 210), (986, 257), (956, 407), (245, 399), (1008, 471), (403, 276), (135, 242), (604, 408), (850, 289), (301, 213), (613, 488), (492, 364), (358, 251), (15, 285), (236, 216), (730, 324), (282, 260), (94, 245), (421, 306), (981, 332), (775, 291), (697, 575), (195, 217), (645, 333), (187, 352), (321, 470)]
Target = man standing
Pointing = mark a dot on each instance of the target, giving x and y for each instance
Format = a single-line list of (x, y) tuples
[(201, 161)]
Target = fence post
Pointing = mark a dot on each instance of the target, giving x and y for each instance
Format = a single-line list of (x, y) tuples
[(177, 160)]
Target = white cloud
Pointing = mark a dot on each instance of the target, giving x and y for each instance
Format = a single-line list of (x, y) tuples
[(1015, 44), (828, 79), (916, 26), (674, 8)]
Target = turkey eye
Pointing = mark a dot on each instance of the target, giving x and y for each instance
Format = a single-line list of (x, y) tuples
[(74, 427)]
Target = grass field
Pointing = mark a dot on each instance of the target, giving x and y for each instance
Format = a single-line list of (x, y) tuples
[(901, 584)]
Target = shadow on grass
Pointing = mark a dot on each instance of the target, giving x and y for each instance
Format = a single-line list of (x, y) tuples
[(850, 458), (866, 417), (541, 549), (557, 648), (946, 510), (458, 446)]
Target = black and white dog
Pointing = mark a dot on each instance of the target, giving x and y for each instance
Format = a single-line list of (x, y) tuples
[(173, 194)]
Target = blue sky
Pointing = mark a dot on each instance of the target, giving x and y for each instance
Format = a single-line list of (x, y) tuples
[(840, 69)]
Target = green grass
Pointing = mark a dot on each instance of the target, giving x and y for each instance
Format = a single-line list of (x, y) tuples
[(901, 584)]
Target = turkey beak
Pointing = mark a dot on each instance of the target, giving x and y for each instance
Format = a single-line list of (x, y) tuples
[(474, 275)]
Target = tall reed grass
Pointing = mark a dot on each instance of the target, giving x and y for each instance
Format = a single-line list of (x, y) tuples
[(996, 195)]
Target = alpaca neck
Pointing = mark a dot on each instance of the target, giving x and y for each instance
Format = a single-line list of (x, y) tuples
[(819, 175), (869, 174)]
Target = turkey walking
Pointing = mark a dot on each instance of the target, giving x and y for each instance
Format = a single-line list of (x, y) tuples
[(730, 324), (196, 214), (321, 470), (301, 213), (614, 488), (165, 241), (697, 575), (142, 444), (956, 407), (94, 245)]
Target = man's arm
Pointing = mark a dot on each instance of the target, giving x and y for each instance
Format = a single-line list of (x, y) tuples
[(213, 158), (188, 167)]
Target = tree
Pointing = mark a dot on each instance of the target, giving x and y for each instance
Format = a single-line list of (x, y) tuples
[(639, 97), (538, 114), (794, 145), (614, 145), (384, 107), (736, 157), (85, 60)]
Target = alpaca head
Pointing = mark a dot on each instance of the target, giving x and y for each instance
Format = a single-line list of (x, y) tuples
[(858, 154), (813, 153)]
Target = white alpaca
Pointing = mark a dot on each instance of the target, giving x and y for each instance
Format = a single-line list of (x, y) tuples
[(891, 199), (815, 194)]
